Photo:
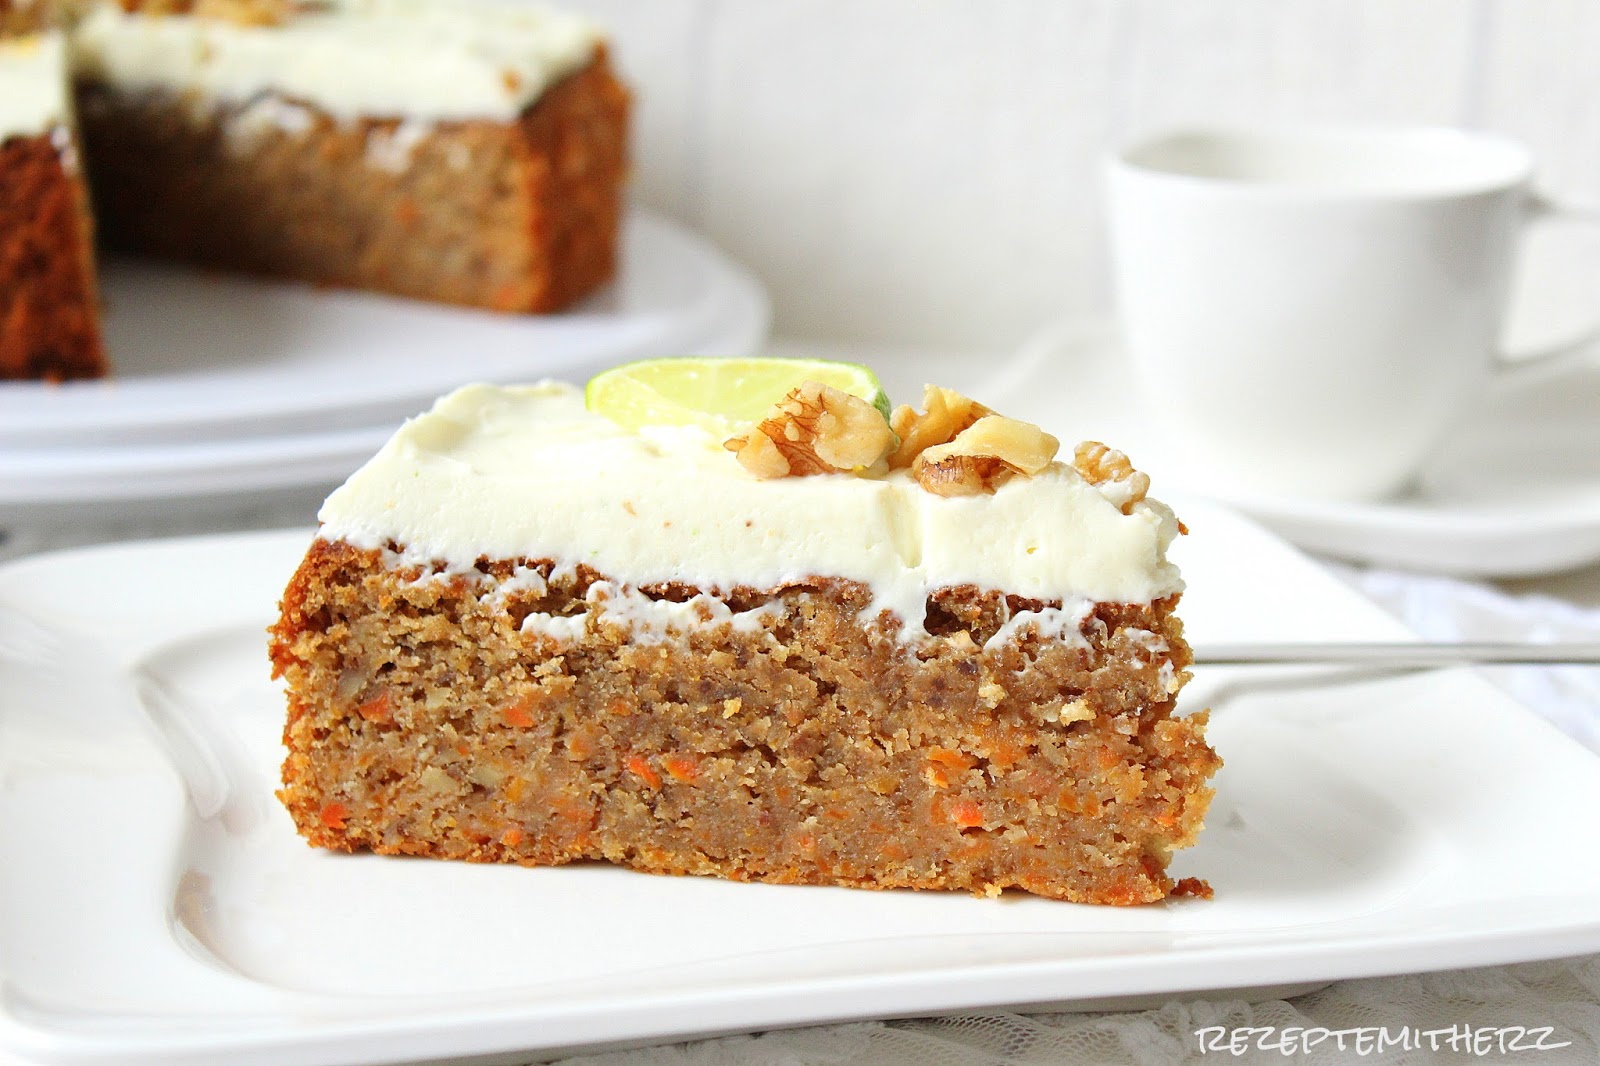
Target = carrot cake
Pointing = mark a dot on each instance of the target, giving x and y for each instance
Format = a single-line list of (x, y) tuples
[(829, 648), (470, 153), (49, 315)]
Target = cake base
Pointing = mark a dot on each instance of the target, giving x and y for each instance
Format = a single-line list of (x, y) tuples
[(516, 216), (525, 714), (49, 313)]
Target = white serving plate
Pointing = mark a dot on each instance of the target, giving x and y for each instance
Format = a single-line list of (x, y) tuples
[(101, 480), (156, 906), (201, 356), (1514, 491)]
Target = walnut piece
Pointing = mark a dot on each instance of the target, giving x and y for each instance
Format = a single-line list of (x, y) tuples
[(961, 475), (816, 429), (1112, 472), (984, 456), (948, 413)]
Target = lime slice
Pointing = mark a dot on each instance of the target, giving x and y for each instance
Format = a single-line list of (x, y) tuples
[(719, 395)]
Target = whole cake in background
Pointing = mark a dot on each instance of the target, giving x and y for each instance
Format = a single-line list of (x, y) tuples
[(468, 152), (819, 645)]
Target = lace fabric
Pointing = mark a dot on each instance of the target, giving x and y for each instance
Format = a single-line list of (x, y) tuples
[(1563, 995)]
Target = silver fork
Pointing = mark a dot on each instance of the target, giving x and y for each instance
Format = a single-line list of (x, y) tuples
[(1398, 654)]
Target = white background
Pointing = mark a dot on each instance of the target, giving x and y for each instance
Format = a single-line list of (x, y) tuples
[(925, 171)]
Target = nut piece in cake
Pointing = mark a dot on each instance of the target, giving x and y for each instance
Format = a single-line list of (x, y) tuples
[(947, 414), (984, 456), (815, 429), (1112, 472)]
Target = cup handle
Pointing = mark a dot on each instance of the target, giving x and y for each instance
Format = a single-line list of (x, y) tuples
[(1569, 353)]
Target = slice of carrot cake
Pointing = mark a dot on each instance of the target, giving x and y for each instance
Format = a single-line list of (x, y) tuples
[(49, 315), (825, 648)]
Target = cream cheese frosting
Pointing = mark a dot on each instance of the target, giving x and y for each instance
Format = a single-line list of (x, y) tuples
[(33, 85), (428, 59), (526, 471)]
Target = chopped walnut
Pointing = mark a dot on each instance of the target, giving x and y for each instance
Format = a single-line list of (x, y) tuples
[(984, 456), (437, 782), (1077, 710), (992, 693), (948, 413), (1112, 472), (816, 429), (961, 475), (758, 454)]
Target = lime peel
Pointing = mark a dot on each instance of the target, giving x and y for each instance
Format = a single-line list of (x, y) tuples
[(720, 395)]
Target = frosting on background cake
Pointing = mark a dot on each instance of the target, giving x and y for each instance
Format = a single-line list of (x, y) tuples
[(351, 59), (33, 85)]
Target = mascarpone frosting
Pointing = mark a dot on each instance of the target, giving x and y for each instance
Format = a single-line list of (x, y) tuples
[(526, 471), (427, 59), (33, 85)]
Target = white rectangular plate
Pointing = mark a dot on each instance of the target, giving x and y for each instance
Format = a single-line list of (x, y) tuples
[(156, 905)]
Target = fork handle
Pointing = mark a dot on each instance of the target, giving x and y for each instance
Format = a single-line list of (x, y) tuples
[(1421, 653)]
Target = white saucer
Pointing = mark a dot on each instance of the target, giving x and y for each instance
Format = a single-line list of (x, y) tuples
[(203, 356), (1516, 490)]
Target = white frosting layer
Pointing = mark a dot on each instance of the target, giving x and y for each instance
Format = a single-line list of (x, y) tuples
[(646, 620), (427, 59), (527, 472), (33, 85)]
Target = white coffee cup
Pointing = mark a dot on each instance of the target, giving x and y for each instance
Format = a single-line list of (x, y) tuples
[(1310, 310)]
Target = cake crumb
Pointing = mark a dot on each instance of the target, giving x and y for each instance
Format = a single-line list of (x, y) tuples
[(1192, 886)]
